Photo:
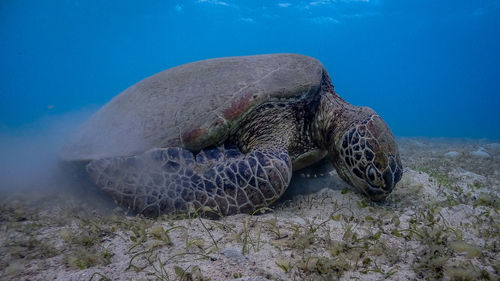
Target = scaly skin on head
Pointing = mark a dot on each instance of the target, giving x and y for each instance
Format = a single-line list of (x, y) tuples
[(359, 144)]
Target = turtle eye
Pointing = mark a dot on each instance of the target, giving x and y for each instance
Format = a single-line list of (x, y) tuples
[(370, 173)]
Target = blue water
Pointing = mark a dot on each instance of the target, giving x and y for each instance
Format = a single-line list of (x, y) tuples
[(430, 68)]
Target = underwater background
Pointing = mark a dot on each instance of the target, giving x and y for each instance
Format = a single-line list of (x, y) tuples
[(429, 68)]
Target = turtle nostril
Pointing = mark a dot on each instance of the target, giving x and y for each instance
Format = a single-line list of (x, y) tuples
[(389, 183)]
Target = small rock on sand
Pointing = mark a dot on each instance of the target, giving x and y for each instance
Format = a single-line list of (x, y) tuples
[(233, 254), (493, 145), (451, 154), (480, 153)]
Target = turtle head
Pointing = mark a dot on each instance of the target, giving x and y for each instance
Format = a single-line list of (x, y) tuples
[(366, 155)]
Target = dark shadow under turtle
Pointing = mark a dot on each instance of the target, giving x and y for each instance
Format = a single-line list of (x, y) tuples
[(225, 134)]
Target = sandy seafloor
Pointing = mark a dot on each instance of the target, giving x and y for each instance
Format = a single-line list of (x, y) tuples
[(441, 222)]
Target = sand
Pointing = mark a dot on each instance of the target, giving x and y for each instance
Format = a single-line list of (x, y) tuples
[(441, 222)]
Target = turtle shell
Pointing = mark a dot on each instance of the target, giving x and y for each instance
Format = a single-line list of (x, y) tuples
[(194, 105)]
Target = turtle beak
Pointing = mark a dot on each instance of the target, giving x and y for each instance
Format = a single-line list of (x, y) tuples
[(388, 181), (375, 193)]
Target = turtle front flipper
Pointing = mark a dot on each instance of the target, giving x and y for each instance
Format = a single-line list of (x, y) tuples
[(173, 180)]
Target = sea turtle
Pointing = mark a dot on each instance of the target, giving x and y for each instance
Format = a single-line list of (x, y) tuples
[(226, 134)]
